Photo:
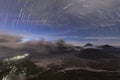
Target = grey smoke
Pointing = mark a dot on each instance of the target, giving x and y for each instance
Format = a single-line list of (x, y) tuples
[(11, 45), (8, 38)]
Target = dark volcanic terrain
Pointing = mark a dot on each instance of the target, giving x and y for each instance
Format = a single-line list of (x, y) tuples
[(69, 63)]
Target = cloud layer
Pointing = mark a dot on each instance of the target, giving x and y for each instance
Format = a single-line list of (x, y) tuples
[(11, 45)]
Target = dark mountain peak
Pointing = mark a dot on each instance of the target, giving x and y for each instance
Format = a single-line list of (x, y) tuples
[(107, 46), (88, 44), (95, 54)]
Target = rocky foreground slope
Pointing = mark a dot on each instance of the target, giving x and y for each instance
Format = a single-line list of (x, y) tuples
[(21, 68)]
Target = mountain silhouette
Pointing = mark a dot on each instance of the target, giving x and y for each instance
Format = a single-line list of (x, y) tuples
[(106, 46), (88, 44)]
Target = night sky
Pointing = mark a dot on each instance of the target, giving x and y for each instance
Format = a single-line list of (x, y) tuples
[(75, 21)]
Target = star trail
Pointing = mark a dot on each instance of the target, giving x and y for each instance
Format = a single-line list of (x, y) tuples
[(73, 20)]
